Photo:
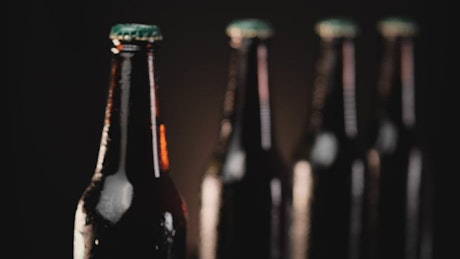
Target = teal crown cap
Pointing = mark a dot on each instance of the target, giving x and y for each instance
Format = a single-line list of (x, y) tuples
[(397, 27), (135, 32), (249, 28), (339, 27)]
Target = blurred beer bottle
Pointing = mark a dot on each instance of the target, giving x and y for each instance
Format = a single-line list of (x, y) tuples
[(406, 178), (131, 208), (245, 187), (330, 165)]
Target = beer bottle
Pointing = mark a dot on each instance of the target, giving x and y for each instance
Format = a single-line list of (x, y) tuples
[(330, 165), (244, 189), (131, 207), (406, 191)]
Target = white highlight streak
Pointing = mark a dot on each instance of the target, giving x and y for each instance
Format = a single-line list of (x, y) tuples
[(153, 106), (357, 196), (348, 77), (262, 72), (407, 73), (414, 179), (302, 195), (209, 216)]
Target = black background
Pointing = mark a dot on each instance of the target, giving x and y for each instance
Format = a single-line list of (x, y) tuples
[(60, 58)]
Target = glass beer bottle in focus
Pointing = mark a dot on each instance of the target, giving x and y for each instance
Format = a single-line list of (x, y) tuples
[(131, 208), (406, 177), (330, 164), (245, 187)]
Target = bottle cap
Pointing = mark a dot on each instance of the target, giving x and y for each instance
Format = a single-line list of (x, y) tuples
[(397, 27), (336, 28), (135, 32), (249, 28)]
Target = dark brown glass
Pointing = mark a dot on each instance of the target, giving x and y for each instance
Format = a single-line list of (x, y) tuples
[(131, 208), (332, 171), (245, 188), (406, 169)]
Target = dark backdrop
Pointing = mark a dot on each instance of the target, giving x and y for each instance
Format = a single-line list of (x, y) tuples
[(60, 57)]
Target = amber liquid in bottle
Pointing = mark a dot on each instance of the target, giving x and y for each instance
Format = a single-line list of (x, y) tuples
[(330, 166), (244, 190), (131, 208), (406, 170)]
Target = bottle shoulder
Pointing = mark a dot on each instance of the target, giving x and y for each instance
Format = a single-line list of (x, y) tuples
[(118, 190), (389, 136), (239, 164), (327, 149)]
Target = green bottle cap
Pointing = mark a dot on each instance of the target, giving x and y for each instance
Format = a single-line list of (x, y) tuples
[(135, 32), (397, 27), (336, 28), (249, 28)]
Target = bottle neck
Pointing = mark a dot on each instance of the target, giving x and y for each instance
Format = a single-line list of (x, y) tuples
[(334, 92), (247, 117), (133, 136), (395, 89)]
